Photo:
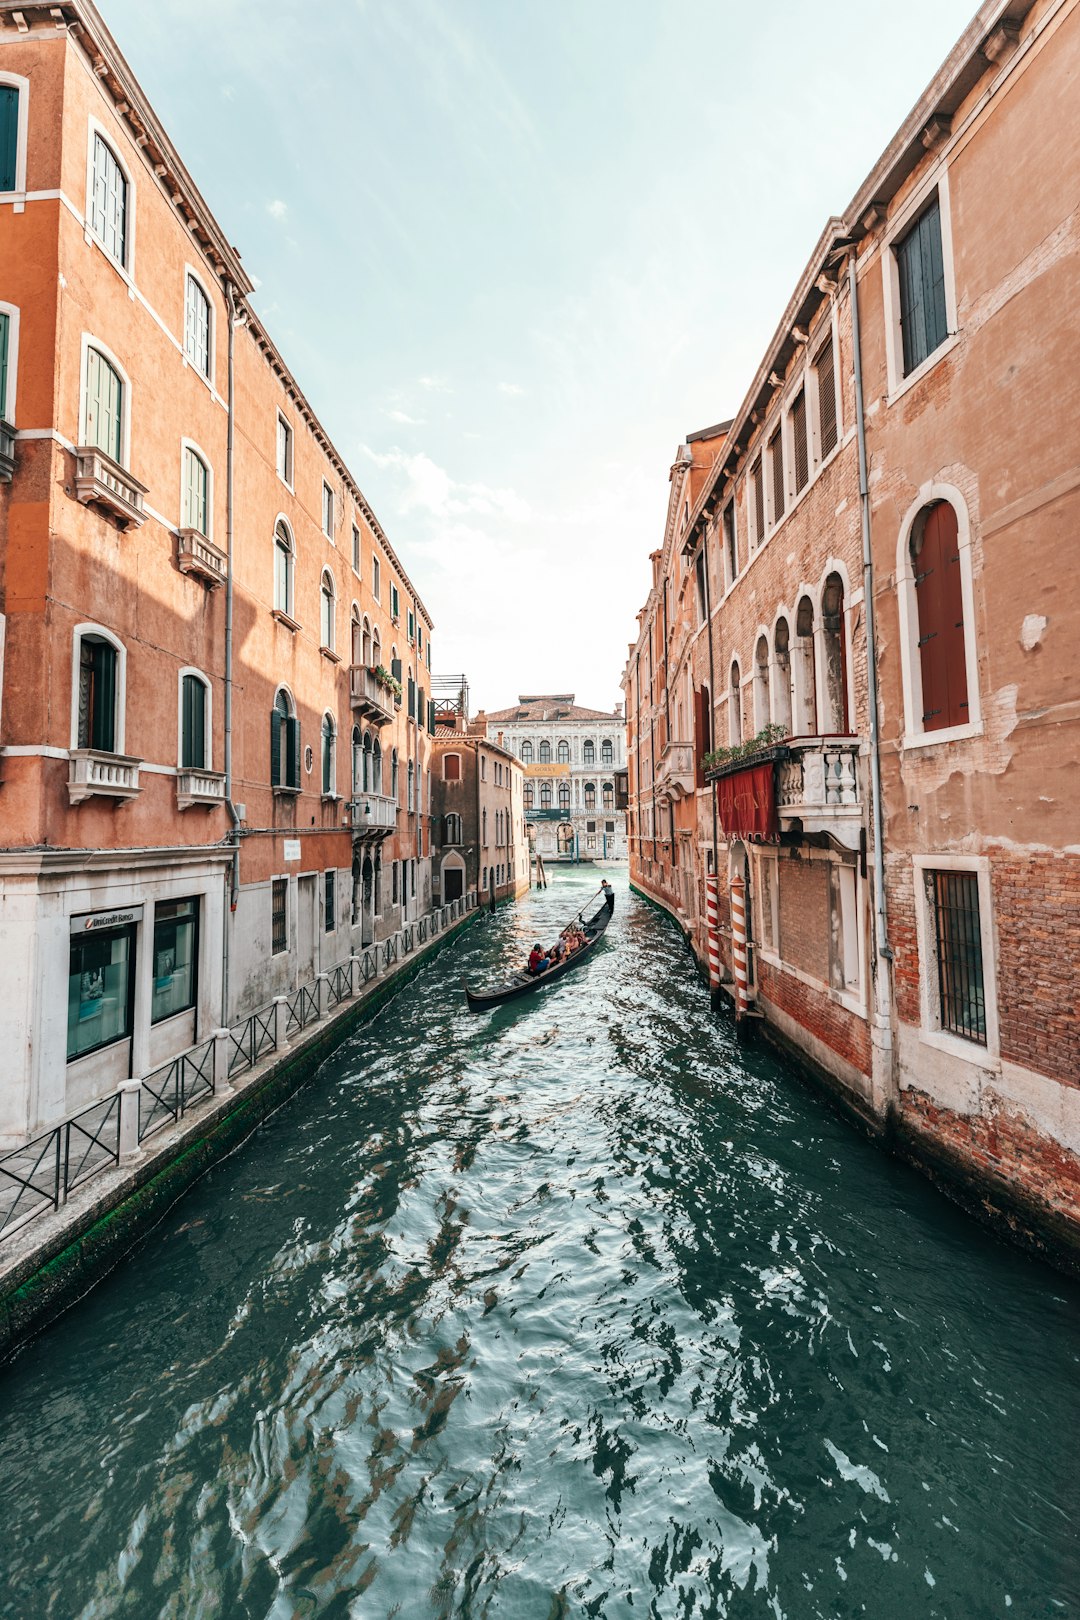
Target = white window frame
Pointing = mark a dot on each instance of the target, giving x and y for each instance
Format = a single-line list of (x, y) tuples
[(289, 611), (114, 641), (330, 792), (930, 1031), (90, 342), (187, 445), (815, 344), (189, 669), (847, 895), (7, 406), (357, 558), (329, 645), (376, 578), (286, 477), (328, 515), (910, 662), (898, 385), (191, 274), (125, 266), (17, 82)]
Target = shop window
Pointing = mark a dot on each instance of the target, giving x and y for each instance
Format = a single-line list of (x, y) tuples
[(98, 695), (101, 989), (329, 892), (175, 958), (197, 326), (284, 567), (279, 916), (194, 731)]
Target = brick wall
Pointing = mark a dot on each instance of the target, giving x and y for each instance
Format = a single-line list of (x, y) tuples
[(844, 1032), (805, 916), (1037, 923)]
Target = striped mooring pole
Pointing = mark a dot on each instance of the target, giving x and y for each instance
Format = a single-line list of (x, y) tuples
[(738, 946), (712, 919)]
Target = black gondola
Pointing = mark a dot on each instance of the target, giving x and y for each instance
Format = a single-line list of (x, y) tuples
[(524, 983)]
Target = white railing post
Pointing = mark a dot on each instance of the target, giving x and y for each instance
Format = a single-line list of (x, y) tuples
[(356, 975), (129, 1117), (322, 993), (281, 1021), (221, 1060)]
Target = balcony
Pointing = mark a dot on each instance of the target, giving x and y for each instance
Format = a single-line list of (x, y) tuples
[(7, 452), (100, 481), (368, 697), (675, 775), (199, 788), (106, 776), (817, 784), (197, 555), (373, 813)]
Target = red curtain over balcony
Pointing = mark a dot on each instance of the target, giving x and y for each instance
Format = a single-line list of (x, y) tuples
[(746, 804)]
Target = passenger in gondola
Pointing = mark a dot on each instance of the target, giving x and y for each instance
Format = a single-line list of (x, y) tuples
[(558, 951), (538, 961)]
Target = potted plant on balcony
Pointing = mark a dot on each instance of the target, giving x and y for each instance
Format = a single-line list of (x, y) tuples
[(762, 746), (382, 675)]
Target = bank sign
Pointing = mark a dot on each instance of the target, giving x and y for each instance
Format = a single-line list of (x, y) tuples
[(546, 815), (548, 771), (105, 919)]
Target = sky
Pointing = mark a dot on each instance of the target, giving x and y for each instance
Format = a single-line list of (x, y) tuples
[(515, 250)]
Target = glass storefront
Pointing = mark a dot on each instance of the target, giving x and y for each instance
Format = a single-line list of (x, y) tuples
[(100, 988), (175, 958)]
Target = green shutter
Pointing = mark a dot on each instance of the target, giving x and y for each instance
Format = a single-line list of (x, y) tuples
[(292, 752), (104, 405), (5, 331), (395, 668), (9, 135), (275, 748), (103, 699), (412, 698), (193, 745)]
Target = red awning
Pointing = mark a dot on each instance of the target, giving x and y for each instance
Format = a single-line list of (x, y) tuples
[(746, 804)]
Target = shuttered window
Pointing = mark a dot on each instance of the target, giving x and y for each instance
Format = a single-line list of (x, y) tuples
[(9, 136), (935, 556), (825, 371), (109, 202), (799, 441), (758, 480), (97, 695), (5, 342), (196, 493), (283, 570), (197, 327), (193, 724), (284, 745), (776, 467), (104, 406), (328, 762), (729, 540), (921, 274)]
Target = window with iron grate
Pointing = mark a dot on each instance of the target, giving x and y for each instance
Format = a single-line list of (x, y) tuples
[(954, 900)]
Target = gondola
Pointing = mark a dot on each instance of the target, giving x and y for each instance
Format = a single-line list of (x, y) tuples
[(523, 983)]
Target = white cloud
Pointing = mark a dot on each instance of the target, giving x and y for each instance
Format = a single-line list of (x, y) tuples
[(437, 384), (430, 488), (277, 209), (512, 389), (404, 418)]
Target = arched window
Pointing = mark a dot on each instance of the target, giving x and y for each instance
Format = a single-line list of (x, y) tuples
[(804, 672), (368, 776), (376, 766), (588, 752), (357, 762), (356, 637), (329, 747), (702, 730), (108, 211), (197, 326), (527, 795), (103, 417), (483, 828), (545, 795), (376, 649), (196, 493), (734, 706), (284, 744), (608, 795), (761, 685), (562, 752), (607, 752), (934, 549), (411, 787), (564, 795), (393, 774), (98, 712), (545, 751), (590, 795), (781, 687), (326, 610), (526, 751), (453, 830), (284, 567), (834, 644), (194, 723)]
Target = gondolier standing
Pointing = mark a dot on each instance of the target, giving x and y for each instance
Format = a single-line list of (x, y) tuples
[(609, 893)]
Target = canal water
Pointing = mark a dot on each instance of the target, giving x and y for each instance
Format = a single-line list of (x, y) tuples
[(568, 1309)]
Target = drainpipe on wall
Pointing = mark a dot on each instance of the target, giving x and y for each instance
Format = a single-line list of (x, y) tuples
[(883, 950), (234, 831)]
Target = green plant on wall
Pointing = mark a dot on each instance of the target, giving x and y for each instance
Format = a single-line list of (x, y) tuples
[(767, 737)]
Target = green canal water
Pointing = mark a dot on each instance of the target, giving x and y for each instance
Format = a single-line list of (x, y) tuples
[(573, 1309)]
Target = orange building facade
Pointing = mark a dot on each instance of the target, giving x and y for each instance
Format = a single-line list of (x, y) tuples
[(853, 697), (215, 722)]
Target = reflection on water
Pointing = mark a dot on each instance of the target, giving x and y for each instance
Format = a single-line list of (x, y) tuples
[(567, 1309)]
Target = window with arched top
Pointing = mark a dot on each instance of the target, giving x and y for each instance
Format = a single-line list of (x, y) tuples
[(194, 722), (562, 752), (411, 787), (527, 795), (761, 685), (607, 752), (804, 670), (526, 751), (357, 761), (326, 610), (105, 407), (99, 695), (588, 752), (545, 752), (781, 685), (197, 325), (195, 512), (376, 766), (564, 795), (329, 762), (735, 706), (607, 793), (393, 774), (356, 636), (590, 795), (937, 571), (284, 568), (367, 762), (834, 648), (545, 795), (376, 648), (284, 744), (108, 212)]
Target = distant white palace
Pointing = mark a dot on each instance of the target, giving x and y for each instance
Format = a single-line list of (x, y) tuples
[(575, 761)]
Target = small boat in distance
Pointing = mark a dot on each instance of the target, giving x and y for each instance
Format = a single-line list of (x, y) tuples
[(524, 983)]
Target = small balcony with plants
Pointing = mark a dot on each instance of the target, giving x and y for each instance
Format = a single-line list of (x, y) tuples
[(373, 692)]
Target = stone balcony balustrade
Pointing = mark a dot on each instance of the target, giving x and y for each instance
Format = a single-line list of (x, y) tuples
[(197, 555), (198, 787), (817, 784), (675, 775), (101, 481), (373, 813), (108, 776), (7, 452), (368, 696)]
